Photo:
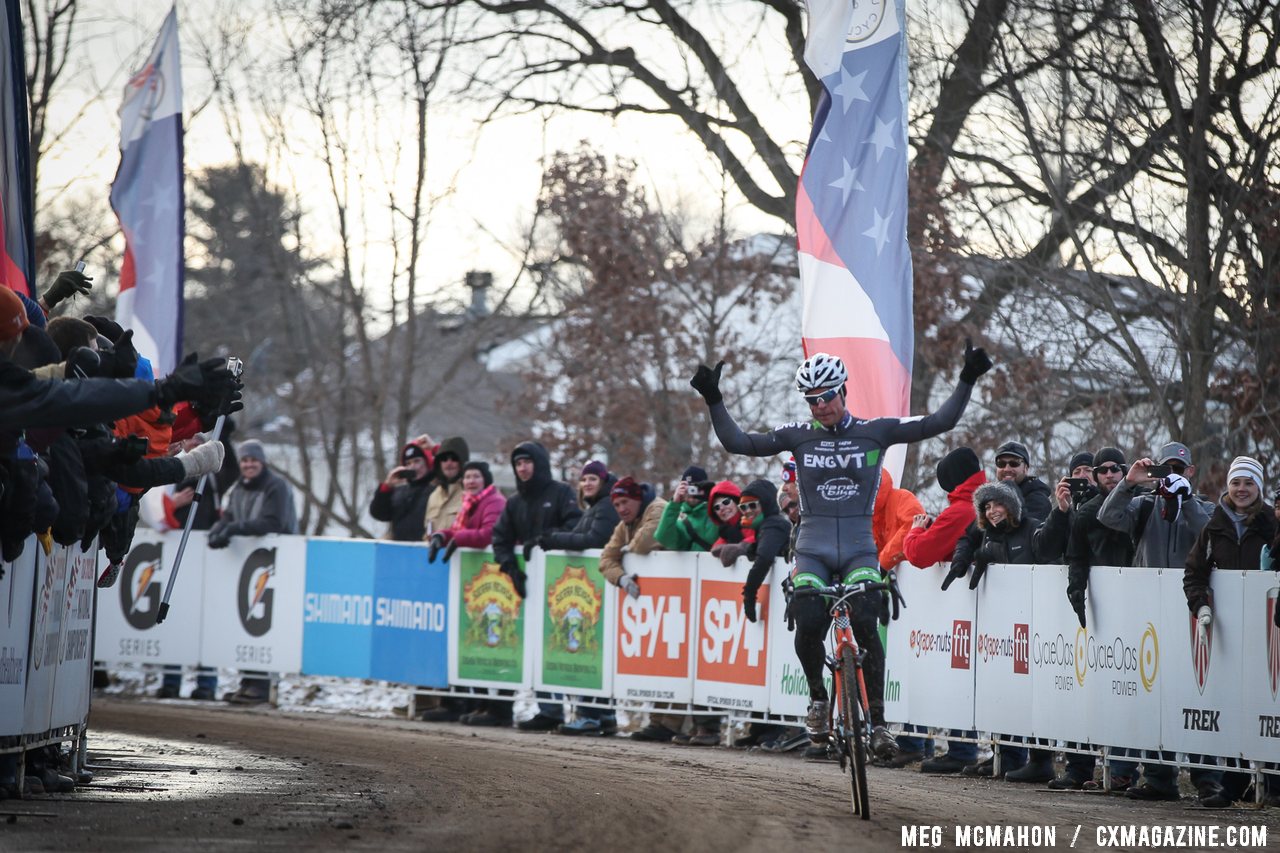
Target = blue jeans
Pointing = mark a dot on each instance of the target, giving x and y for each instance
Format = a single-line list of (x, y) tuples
[(553, 709), (206, 677), (910, 743), (961, 750), (588, 712)]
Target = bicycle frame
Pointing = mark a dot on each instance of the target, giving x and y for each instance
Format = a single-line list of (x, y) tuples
[(842, 638)]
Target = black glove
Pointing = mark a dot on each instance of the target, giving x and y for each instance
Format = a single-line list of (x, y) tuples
[(979, 569), (196, 380), (67, 284), (1076, 597), (108, 328), (527, 550), (511, 570), (82, 363), (707, 382), (123, 364), (976, 363), (955, 574), (449, 549), (219, 538), (749, 603), (127, 451), (436, 543)]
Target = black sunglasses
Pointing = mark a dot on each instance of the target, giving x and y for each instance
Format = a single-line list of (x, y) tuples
[(1008, 463), (824, 397), (1109, 469)]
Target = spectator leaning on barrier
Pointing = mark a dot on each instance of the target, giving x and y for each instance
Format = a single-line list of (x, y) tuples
[(1051, 538), (1241, 526), (401, 499), (1163, 524), (260, 503), (446, 499), (685, 524), (1013, 465), (540, 505), (482, 505), (892, 519), (639, 510), (598, 519), (1091, 543)]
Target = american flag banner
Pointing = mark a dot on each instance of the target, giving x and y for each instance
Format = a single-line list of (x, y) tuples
[(148, 200), (851, 205), (17, 239)]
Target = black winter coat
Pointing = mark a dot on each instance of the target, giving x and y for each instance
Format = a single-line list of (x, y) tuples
[(1092, 543), (1218, 547), (772, 537), (404, 507), (540, 505), (594, 527)]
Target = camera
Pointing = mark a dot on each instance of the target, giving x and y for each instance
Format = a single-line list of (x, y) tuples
[(1079, 487), (1159, 472), (693, 491), (406, 474), (236, 366)]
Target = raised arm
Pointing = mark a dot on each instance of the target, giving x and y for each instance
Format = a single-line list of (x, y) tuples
[(706, 381), (976, 363)]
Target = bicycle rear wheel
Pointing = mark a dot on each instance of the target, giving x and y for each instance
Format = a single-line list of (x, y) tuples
[(854, 728)]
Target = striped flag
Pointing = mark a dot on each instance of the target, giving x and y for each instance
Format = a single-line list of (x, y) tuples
[(17, 238), (147, 198), (851, 205)]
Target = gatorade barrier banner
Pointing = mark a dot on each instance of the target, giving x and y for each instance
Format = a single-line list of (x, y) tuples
[(934, 634), (17, 592), (74, 675), (254, 591), (1003, 681), (573, 626), (1260, 676), (127, 631), (488, 642), (410, 622), (732, 654), (656, 631), (338, 608)]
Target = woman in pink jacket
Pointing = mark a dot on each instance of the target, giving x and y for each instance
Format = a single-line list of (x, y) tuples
[(482, 503)]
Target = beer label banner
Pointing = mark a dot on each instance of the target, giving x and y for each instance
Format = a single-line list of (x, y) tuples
[(126, 629), (17, 589), (931, 649), (487, 643), (338, 610), (655, 631), (575, 626), (732, 663), (1002, 650), (254, 591), (74, 675), (1260, 687), (1200, 671), (410, 642)]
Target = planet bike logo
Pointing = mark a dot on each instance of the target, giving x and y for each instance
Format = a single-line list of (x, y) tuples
[(492, 603), (1119, 659), (140, 585), (867, 17), (1201, 651), (1273, 639), (990, 647), (839, 489), (254, 595), (574, 603)]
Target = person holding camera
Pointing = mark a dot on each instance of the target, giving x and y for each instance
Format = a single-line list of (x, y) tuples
[(1075, 489), (401, 499), (686, 523)]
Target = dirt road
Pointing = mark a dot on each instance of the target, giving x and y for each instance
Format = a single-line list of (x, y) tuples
[(174, 775)]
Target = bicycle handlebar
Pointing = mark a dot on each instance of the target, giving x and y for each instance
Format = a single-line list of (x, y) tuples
[(841, 592)]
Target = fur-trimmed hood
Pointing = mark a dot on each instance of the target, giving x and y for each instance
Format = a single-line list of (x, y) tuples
[(1003, 493)]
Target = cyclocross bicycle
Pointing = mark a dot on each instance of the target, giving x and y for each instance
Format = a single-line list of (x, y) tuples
[(850, 724)]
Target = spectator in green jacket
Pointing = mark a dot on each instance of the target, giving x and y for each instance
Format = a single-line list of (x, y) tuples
[(685, 525)]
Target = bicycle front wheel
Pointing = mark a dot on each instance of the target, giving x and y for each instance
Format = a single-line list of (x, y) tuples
[(854, 728)]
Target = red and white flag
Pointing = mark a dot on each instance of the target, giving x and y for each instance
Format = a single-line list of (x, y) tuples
[(147, 198)]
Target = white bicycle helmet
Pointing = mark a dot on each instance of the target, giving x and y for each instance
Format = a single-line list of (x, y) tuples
[(820, 371)]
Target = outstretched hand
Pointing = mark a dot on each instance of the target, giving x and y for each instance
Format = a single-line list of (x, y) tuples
[(976, 362), (706, 382)]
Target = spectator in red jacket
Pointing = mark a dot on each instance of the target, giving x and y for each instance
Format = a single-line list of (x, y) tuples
[(932, 541)]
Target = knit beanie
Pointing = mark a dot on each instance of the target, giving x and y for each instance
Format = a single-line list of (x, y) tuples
[(252, 449), (1107, 455), (1246, 466), (596, 467), (482, 467), (694, 474), (627, 487), (1084, 457), (956, 467), (13, 315)]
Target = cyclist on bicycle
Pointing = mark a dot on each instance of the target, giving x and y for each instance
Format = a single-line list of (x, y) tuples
[(838, 460)]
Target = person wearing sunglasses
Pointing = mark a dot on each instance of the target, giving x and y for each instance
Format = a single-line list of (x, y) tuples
[(732, 537), (838, 461)]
